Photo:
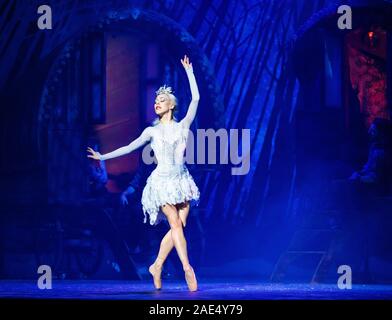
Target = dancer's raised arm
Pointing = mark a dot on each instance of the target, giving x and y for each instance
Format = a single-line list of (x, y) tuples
[(192, 109), (135, 144)]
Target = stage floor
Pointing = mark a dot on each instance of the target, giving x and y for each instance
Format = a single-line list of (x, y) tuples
[(177, 290)]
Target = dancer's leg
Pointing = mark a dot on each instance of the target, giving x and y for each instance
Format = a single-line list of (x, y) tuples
[(167, 243), (167, 246), (177, 233), (164, 249), (179, 241), (183, 212)]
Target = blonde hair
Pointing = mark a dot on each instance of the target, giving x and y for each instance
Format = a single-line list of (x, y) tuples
[(168, 91)]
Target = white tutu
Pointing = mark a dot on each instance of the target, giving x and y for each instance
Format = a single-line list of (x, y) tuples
[(170, 186)]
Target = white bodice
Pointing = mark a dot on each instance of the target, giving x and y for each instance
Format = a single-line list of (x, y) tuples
[(168, 141)]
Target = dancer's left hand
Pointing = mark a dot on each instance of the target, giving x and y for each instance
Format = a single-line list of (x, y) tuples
[(185, 63)]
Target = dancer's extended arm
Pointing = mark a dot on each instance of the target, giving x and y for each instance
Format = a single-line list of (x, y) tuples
[(192, 109), (137, 143)]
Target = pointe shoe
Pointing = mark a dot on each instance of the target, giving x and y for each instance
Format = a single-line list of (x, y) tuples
[(156, 275), (191, 280)]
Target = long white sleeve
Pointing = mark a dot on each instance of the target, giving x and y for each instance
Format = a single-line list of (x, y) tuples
[(137, 143), (192, 109)]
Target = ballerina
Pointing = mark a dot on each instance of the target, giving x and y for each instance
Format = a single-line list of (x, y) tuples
[(170, 189)]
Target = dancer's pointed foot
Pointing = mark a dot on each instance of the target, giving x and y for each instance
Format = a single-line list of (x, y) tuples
[(190, 278), (156, 275)]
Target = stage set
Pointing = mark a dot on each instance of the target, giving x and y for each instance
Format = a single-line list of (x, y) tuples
[(287, 176), (176, 290)]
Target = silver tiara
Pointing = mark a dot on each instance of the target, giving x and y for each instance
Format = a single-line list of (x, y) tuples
[(164, 90)]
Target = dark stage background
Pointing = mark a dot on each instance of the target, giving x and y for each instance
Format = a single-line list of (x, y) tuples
[(308, 91)]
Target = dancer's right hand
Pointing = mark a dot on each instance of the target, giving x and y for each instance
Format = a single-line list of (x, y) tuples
[(94, 154)]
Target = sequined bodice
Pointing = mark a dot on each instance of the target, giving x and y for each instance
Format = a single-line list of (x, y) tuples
[(169, 143)]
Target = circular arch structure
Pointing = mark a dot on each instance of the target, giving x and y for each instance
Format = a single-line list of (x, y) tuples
[(138, 19)]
